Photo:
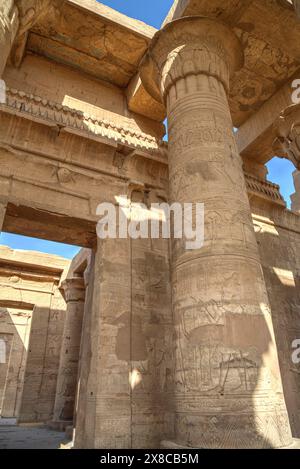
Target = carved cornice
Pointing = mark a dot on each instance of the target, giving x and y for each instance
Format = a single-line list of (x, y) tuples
[(187, 47), (287, 129), (50, 113), (264, 189)]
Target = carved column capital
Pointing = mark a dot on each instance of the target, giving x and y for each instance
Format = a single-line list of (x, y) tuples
[(189, 47), (30, 11), (287, 128), (73, 289), (9, 23)]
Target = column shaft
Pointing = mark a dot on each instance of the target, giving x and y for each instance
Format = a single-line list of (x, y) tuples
[(227, 387), (74, 291)]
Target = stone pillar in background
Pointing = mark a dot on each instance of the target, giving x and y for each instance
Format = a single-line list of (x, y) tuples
[(9, 23), (104, 415), (74, 293), (296, 196), (227, 384)]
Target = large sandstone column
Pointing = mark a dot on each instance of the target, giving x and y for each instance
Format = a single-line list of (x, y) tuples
[(227, 384), (74, 292), (8, 28)]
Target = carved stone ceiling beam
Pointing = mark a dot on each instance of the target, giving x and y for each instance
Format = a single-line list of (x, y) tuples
[(140, 102), (256, 136), (30, 12)]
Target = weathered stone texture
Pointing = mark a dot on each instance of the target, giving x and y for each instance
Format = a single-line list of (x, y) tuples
[(32, 314), (73, 290), (14, 333), (278, 236), (153, 344)]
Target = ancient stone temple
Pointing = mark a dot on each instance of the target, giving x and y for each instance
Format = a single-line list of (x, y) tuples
[(141, 342)]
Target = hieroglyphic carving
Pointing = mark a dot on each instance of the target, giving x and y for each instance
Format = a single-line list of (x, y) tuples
[(287, 129), (221, 310)]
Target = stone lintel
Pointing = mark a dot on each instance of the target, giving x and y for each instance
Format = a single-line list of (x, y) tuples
[(256, 136)]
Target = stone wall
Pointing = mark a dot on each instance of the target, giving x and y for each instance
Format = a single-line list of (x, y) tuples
[(278, 236), (15, 326), (31, 324)]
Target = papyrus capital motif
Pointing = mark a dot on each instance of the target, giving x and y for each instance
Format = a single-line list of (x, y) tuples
[(73, 289), (287, 128), (187, 47)]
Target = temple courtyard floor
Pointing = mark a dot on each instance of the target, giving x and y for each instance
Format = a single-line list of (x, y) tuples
[(29, 437)]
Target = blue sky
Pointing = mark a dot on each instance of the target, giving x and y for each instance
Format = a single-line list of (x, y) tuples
[(152, 12), (34, 244)]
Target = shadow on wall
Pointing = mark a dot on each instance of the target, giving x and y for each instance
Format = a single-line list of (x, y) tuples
[(280, 255)]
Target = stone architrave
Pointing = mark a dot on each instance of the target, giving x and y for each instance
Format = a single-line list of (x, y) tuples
[(74, 293), (227, 383)]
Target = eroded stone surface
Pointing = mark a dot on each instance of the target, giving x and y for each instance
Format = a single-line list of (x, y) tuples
[(169, 345), (31, 323)]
